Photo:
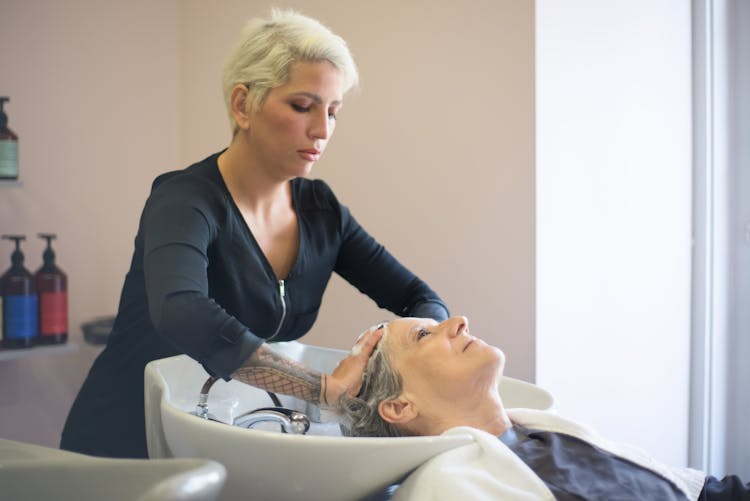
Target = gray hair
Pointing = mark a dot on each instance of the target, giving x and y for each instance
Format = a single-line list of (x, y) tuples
[(359, 415), (268, 47)]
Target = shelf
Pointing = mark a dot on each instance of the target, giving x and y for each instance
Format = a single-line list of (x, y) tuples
[(37, 351)]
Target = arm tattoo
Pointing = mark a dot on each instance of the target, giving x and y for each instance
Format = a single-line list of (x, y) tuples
[(272, 372)]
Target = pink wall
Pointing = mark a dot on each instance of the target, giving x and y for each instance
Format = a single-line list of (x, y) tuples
[(95, 97), (435, 155)]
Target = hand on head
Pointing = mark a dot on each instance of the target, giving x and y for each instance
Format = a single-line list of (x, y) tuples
[(346, 378)]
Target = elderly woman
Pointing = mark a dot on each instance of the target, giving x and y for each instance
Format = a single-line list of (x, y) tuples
[(236, 250), (430, 378)]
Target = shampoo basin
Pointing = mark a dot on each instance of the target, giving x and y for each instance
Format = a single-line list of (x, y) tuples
[(266, 464)]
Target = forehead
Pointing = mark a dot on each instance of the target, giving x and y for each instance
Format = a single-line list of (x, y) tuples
[(402, 333), (320, 76)]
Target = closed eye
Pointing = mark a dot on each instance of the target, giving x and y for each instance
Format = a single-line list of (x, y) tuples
[(306, 109)]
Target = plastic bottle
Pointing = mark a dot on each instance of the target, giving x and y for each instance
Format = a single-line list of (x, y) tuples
[(52, 289), (8, 146), (20, 304)]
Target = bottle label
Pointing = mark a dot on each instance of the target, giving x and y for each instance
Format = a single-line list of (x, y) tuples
[(8, 158), (20, 316), (53, 313)]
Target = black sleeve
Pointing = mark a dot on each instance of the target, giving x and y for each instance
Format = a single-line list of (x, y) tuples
[(180, 221), (367, 265)]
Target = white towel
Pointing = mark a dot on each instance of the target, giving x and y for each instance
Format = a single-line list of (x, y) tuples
[(488, 470)]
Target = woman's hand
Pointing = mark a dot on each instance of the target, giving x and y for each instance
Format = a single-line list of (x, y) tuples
[(347, 376)]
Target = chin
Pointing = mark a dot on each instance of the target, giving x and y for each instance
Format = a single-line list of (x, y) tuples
[(499, 360), (490, 368), (296, 169), (298, 173)]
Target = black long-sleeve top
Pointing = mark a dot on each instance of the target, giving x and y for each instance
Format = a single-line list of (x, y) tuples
[(199, 284)]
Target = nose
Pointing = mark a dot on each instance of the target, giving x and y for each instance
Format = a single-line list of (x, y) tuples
[(457, 325), (321, 126)]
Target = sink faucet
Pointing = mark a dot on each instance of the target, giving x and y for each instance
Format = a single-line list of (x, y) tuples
[(291, 421), (201, 410)]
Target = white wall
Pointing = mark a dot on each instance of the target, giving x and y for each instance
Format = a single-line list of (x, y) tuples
[(737, 438), (720, 402), (613, 216)]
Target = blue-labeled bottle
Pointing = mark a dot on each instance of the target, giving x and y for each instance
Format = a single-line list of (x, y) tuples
[(20, 303)]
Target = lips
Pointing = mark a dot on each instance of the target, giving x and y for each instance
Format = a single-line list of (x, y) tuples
[(310, 154)]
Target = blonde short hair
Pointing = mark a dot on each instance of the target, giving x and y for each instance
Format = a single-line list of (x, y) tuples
[(268, 47)]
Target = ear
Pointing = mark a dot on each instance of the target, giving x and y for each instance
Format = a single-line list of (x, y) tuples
[(241, 105), (399, 410)]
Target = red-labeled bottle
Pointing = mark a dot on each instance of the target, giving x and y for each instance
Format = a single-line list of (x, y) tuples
[(52, 288)]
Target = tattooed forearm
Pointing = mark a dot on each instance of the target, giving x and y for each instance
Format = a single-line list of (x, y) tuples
[(272, 372)]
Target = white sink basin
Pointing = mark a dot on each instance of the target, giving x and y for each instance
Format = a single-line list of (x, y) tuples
[(265, 464), (43, 474)]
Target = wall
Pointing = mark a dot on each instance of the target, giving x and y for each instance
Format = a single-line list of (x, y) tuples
[(720, 402), (95, 96), (737, 438), (434, 155), (613, 216)]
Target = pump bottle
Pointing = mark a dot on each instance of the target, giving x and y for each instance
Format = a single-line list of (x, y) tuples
[(8, 146), (52, 289), (20, 307)]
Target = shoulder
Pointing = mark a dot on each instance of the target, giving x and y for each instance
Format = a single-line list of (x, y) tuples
[(198, 185), (315, 194), (548, 420), (482, 469), (187, 196)]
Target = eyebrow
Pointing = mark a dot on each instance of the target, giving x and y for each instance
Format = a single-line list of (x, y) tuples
[(316, 98), (412, 337)]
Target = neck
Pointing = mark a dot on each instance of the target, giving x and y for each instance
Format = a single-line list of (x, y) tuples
[(488, 414), (251, 187)]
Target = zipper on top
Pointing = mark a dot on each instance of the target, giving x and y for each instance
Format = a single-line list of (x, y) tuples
[(282, 296)]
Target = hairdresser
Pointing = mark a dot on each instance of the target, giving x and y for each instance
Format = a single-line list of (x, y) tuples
[(236, 250)]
